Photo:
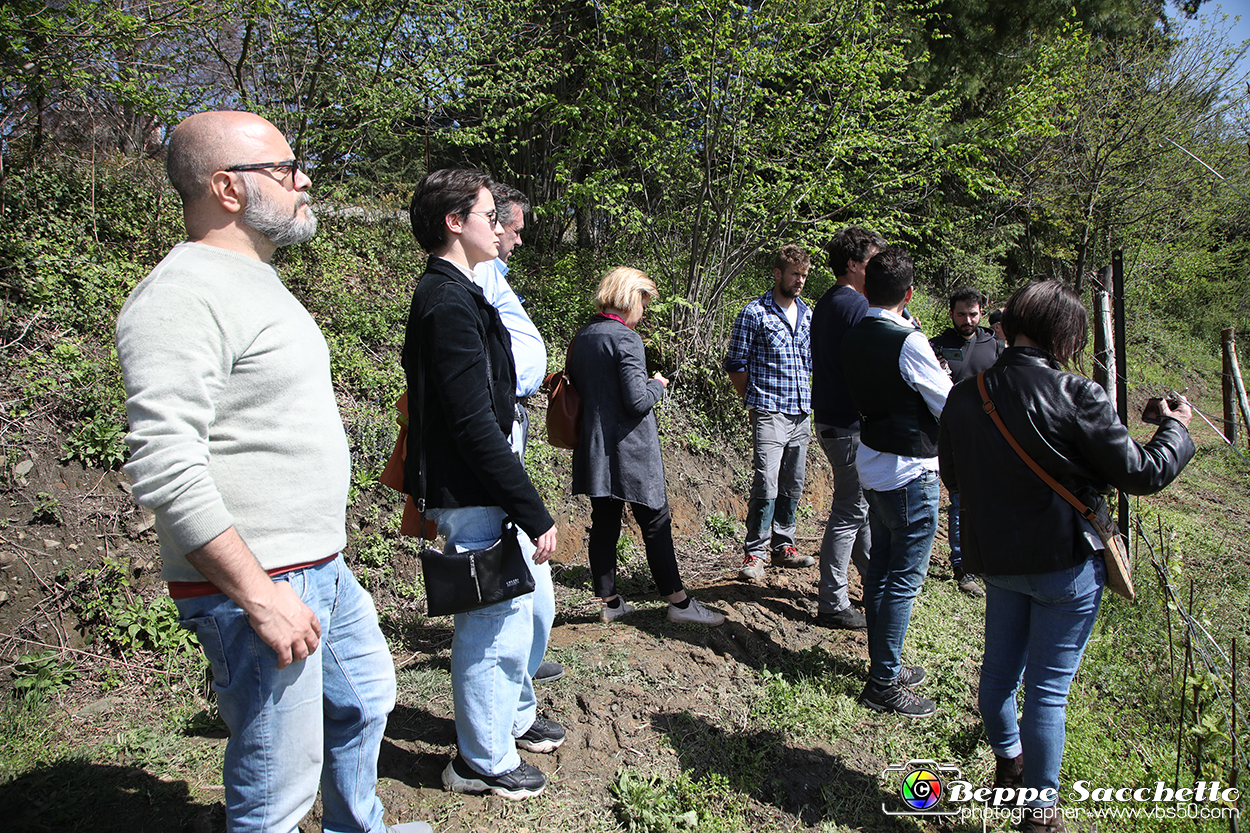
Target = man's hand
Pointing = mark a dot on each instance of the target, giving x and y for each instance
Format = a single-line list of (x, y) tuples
[(738, 378), (286, 625), (660, 378), (546, 544), (276, 613)]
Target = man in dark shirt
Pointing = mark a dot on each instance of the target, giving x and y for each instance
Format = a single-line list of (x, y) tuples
[(965, 349), (836, 423)]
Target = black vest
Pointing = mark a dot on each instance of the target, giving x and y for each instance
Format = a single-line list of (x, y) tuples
[(893, 415)]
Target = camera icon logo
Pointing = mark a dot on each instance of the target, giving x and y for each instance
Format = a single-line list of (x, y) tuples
[(920, 786)]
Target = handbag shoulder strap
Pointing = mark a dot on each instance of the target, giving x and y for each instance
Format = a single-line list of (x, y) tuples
[(988, 406)]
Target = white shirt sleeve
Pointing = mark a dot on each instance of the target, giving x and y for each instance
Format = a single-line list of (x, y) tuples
[(921, 371)]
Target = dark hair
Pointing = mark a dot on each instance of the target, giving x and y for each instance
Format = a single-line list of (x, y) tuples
[(996, 315), (509, 202), (449, 191), (791, 254), (968, 295), (887, 277), (1050, 314), (852, 243)]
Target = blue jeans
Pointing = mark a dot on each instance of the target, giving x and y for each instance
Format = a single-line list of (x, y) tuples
[(544, 600), (952, 531), (779, 465), (903, 522), (317, 720), (1040, 624), (847, 533), (495, 650)]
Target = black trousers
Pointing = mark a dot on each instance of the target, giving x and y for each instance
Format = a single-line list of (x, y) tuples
[(657, 536)]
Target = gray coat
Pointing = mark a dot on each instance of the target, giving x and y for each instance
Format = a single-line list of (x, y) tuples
[(619, 452)]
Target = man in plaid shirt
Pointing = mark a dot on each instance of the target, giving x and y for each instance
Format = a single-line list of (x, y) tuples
[(770, 364)]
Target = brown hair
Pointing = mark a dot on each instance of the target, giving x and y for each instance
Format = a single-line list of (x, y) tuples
[(791, 254), (1050, 314)]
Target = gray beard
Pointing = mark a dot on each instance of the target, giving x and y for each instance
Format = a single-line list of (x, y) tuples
[(269, 219)]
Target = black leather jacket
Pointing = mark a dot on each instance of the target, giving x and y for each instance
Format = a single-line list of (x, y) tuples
[(1010, 521)]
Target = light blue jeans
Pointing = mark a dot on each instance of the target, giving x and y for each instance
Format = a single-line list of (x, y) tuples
[(495, 650), (903, 521), (779, 464), (1040, 623), (318, 720), (848, 536)]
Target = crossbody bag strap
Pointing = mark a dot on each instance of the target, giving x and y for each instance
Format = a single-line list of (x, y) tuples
[(988, 406)]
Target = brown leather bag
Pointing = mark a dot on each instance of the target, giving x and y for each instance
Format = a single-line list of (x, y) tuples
[(413, 523), (564, 408)]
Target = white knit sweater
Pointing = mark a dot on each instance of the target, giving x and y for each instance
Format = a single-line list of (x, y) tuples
[(233, 419)]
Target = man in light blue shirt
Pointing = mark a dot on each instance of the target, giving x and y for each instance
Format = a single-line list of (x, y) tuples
[(528, 350), (529, 353)]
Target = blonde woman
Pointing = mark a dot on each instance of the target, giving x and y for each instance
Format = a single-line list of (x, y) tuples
[(617, 460)]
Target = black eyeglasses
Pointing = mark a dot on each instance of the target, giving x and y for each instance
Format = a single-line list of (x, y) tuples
[(288, 168)]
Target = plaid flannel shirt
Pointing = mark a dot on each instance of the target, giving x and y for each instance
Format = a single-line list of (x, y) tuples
[(778, 360)]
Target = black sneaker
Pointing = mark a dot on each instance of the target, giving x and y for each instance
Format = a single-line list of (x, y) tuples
[(548, 672), (848, 619), (523, 782), (911, 676), (543, 736), (896, 699)]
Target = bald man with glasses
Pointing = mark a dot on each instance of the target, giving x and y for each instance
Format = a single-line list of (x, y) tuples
[(238, 448)]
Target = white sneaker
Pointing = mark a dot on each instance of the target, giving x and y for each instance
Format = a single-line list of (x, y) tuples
[(695, 614), (609, 614)]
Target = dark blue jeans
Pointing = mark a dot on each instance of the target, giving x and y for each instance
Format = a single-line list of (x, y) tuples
[(1040, 624), (952, 532), (903, 523)]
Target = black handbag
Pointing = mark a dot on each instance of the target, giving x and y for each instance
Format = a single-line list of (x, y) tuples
[(457, 582)]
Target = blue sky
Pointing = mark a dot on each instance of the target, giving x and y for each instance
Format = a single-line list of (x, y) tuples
[(1238, 30)]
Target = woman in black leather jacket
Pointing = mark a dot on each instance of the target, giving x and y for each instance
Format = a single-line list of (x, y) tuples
[(1042, 562)]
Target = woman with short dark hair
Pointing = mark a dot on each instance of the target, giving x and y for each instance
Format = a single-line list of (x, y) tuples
[(617, 459), (462, 465), (1042, 562)]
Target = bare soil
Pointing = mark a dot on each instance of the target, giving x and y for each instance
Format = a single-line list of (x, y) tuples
[(641, 694)]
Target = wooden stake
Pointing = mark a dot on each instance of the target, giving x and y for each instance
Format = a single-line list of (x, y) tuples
[(1229, 351), (1104, 340), (1233, 820), (1241, 388)]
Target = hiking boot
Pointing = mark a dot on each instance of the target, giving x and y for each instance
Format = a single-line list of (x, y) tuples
[(543, 735), (789, 556), (847, 619), (1009, 772), (896, 699), (1042, 820), (911, 676), (967, 583), (611, 614), (548, 672), (523, 782), (695, 614), (752, 568)]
